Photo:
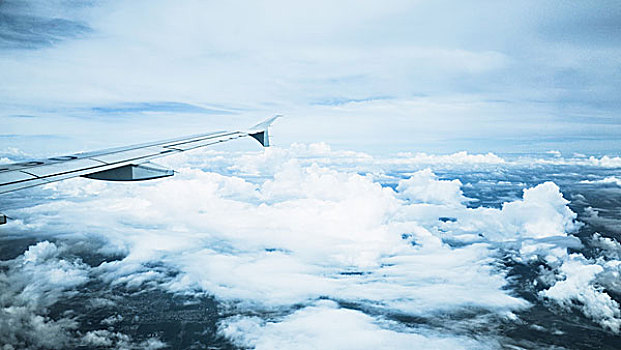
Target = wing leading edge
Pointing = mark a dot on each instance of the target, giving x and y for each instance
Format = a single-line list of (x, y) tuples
[(130, 163)]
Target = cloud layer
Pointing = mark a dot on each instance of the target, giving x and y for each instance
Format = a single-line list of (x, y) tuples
[(291, 241)]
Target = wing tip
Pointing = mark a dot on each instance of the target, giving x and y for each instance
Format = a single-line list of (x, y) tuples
[(260, 132)]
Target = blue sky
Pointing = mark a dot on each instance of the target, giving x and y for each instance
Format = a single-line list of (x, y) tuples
[(434, 76)]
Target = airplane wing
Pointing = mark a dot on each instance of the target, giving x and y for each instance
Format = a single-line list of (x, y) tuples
[(130, 163)]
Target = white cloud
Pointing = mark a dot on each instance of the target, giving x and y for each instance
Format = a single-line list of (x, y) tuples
[(269, 161), (424, 187), (34, 282), (606, 161), (30, 284), (607, 180), (610, 247), (20, 326), (578, 290), (542, 213), (400, 75), (43, 278), (462, 157), (299, 225), (294, 225), (104, 338), (326, 326)]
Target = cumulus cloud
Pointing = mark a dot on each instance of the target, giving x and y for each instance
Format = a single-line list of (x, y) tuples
[(613, 180), (267, 162), (114, 340), (577, 289), (41, 277), (424, 187), (326, 326), (462, 157), (35, 282), (309, 224), (291, 230), (606, 161), (30, 284), (289, 226), (542, 213), (609, 246)]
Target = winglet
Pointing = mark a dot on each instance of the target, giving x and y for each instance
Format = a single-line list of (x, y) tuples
[(259, 132)]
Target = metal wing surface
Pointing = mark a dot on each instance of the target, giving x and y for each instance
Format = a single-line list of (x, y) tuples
[(128, 163)]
